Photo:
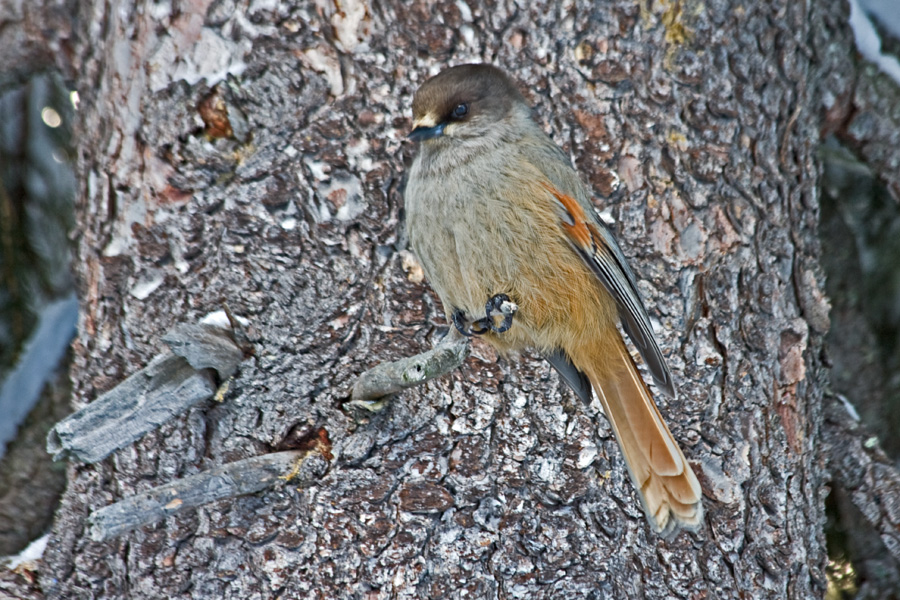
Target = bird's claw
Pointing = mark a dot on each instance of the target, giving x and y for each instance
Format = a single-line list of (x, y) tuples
[(462, 323), (498, 306)]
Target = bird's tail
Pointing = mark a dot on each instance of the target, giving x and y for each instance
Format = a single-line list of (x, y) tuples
[(668, 489)]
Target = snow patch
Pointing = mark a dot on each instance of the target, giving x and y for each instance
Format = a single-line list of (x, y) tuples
[(867, 41)]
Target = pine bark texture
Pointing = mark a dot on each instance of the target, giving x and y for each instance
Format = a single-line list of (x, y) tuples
[(696, 124)]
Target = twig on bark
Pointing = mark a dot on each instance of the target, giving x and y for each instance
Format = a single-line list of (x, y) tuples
[(392, 377)]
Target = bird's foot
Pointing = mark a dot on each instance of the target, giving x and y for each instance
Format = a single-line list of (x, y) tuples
[(500, 306), (499, 311)]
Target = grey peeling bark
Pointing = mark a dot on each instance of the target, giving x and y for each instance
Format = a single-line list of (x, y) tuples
[(699, 124)]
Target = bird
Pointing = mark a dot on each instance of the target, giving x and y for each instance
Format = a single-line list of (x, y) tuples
[(508, 237)]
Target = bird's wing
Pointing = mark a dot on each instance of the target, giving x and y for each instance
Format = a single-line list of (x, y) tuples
[(594, 242), (577, 380)]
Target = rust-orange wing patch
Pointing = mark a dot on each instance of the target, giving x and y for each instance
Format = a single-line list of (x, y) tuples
[(573, 221)]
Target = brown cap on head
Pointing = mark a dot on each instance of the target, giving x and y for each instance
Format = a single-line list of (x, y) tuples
[(462, 93)]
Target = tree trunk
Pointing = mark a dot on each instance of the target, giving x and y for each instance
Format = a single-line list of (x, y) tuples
[(254, 157)]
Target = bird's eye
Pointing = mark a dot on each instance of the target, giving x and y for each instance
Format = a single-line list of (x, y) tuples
[(460, 111)]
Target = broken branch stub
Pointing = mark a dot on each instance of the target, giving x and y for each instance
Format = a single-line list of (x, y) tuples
[(241, 477), (168, 386)]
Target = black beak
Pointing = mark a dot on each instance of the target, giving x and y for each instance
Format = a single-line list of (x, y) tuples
[(426, 133)]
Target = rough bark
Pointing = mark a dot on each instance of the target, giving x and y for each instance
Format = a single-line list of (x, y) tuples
[(696, 124)]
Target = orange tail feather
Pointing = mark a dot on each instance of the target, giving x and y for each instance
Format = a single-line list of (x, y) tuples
[(668, 489)]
